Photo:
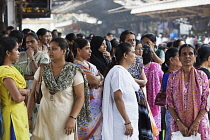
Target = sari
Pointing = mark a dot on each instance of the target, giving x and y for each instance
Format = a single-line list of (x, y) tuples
[(188, 98), (154, 76), (92, 130)]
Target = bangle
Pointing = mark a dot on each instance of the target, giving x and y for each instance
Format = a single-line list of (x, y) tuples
[(72, 117), (127, 123), (32, 60), (30, 119)]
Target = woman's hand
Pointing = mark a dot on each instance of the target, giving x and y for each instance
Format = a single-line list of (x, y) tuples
[(129, 130), (70, 126), (30, 53), (30, 125), (24, 92), (182, 128), (193, 128)]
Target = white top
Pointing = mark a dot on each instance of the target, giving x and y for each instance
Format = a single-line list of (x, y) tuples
[(119, 78), (53, 115)]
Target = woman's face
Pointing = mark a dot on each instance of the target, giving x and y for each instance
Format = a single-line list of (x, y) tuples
[(187, 56), (181, 43), (102, 47), (14, 55), (139, 49), (175, 62), (130, 38), (50, 37), (147, 41), (85, 52), (45, 38), (31, 42), (55, 52), (131, 57)]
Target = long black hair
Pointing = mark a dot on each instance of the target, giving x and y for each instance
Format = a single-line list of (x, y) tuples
[(119, 53), (147, 54), (79, 43), (171, 52), (203, 55), (6, 44), (62, 43)]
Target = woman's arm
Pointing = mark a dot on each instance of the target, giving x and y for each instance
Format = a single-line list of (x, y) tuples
[(156, 58), (143, 79), (71, 123), (182, 128), (30, 53), (31, 100), (13, 90), (195, 125), (92, 80), (121, 108)]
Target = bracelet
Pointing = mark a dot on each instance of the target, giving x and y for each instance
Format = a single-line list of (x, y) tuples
[(127, 123), (32, 60), (30, 119), (72, 117)]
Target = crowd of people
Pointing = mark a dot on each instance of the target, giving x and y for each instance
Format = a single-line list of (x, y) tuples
[(102, 87)]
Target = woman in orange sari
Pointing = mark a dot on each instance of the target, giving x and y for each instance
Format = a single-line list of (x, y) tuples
[(90, 130)]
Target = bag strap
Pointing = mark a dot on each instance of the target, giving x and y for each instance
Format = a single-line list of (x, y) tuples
[(40, 73)]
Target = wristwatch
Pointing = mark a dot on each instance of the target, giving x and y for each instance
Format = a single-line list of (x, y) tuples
[(177, 120)]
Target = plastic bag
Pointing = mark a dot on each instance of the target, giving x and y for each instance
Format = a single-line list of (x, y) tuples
[(178, 136)]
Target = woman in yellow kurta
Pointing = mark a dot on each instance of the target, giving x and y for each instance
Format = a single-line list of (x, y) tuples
[(12, 93)]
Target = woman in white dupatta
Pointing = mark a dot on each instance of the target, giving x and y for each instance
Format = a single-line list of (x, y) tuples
[(119, 104)]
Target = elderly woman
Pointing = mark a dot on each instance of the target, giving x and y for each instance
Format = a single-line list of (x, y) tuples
[(187, 93), (119, 106)]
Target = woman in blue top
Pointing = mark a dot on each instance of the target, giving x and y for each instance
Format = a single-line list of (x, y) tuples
[(171, 64)]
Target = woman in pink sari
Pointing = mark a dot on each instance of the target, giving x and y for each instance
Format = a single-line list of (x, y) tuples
[(154, 76), (187, 93)]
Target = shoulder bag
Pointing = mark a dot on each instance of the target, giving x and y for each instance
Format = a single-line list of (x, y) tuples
[(38, 91)]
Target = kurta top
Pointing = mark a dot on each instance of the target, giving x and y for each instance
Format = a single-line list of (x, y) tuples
[(24, 61), (53, 114), (113, 127), (11, 109)]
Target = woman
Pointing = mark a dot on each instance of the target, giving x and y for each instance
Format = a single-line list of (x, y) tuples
[(203, 63), (170, 65), (137, 72), (119, 105), (154, 76), (12, 93), (178, 43), (63, 88), (150, 39), (31, 59), (44, 39), (82, 52), (100, 57), (187, 97)]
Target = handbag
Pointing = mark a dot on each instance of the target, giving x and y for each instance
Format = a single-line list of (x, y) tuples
[(160, 99), (38, 91), (178, 136)]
